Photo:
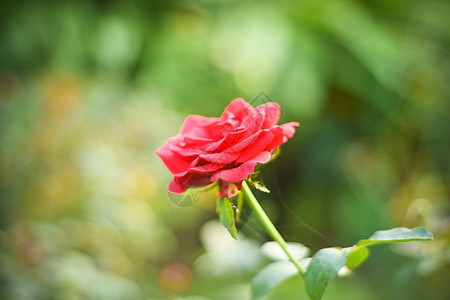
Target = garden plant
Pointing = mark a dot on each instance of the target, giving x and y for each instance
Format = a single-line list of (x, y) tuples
[(226, 152)]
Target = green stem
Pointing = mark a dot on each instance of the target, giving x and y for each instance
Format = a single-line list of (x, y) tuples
[(273, 232)]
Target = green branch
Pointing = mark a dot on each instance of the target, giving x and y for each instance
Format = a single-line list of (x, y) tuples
[(273, 232)]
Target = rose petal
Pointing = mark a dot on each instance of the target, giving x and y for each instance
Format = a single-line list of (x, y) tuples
[(278, 140), (219, 129), (271, 112), (186, 151), (208, 168), (281, 134), (259, 145), (193, 141), (289, 129), (235, 106), (234, 137), (179, 184), (222, 157), (252, 121), (243, 171), (213, 147), (198, 126), (238, 109), (173, 161), (241, 145), (175, 187)]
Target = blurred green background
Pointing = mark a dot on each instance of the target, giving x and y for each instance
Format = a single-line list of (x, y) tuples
[(89, 89)]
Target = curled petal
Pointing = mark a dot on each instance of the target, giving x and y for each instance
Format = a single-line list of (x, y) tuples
[(289, 129), (173, 161), (281, 134), (198, 126)]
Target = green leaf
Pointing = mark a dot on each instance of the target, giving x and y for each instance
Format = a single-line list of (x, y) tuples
[(322, 268), (400, 234), (226, 215), (272, 275), (357, 256), (326, 263)]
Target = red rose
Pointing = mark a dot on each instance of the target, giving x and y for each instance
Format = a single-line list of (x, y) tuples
[(224, 149)]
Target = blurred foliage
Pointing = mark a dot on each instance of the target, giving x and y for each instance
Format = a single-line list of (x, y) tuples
[(89, 89)]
